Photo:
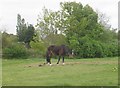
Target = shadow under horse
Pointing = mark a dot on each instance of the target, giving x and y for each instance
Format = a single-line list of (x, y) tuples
[(60, 51)]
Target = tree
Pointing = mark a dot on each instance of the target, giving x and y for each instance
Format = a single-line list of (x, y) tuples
[(50, 27), (50, 22), (80, 22), (82, 28), (25, 32), (118, 42), (103, 20), (118, 35), (29, 35)]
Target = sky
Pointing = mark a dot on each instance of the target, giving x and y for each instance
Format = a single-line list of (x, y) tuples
[(30, 9)]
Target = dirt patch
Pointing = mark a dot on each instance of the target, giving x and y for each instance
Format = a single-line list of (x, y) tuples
[(35, 65), (42, 65), (71, 63)]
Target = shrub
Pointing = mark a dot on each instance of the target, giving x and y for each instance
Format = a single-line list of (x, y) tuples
[(119, 48), (88, 48), (97, 48), (38, 49), (15, 51)]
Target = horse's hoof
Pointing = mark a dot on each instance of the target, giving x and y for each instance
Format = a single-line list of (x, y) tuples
[(50, 64), (63, 63)]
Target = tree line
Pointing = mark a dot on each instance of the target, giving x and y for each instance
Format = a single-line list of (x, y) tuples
[(84, 30)]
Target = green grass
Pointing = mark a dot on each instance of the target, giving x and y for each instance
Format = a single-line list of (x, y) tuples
[(76, 72)]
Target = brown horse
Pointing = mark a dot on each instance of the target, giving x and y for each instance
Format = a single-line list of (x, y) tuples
[(60, 51)]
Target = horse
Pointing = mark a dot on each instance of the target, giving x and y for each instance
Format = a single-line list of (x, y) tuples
[(60, 51)]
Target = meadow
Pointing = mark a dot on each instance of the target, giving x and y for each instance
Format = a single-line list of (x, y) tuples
[(75, 72)]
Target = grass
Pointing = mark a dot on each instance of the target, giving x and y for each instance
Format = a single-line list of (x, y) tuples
[(76, 72)]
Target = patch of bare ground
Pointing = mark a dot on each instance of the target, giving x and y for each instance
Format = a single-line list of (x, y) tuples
[(72, 63)]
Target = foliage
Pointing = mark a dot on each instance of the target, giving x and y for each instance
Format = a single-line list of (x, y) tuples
[(55, 39), (38, 49), (11, 48), (15, 51), (92, 48), (119, 42), (25, 32), (87, 36), (49, 23), (8, 39), (119, 35), (85, 31)]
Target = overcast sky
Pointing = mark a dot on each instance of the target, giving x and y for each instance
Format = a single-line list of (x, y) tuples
[(30, 9)]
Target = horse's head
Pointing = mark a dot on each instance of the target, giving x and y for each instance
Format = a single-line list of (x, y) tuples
[(69, 52)]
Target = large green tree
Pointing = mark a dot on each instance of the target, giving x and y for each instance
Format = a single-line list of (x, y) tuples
[(50, 27), (80, 22), (25, 32), (86, 32)]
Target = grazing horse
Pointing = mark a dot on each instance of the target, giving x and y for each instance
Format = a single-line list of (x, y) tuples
[(60, 51)]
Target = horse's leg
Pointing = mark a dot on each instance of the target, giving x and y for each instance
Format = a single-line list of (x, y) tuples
[(63, 60), (49, 62), (58, 60)]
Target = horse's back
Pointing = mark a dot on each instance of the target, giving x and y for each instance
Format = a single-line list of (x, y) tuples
[(51, 47), (58, 50)]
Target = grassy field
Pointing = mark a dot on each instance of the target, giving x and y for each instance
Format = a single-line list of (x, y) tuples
[(75, 72)]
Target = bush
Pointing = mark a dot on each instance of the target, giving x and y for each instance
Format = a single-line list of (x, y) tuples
[(38, 49), (89, 48), (15, 51), (119, 49), (97, 48)]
